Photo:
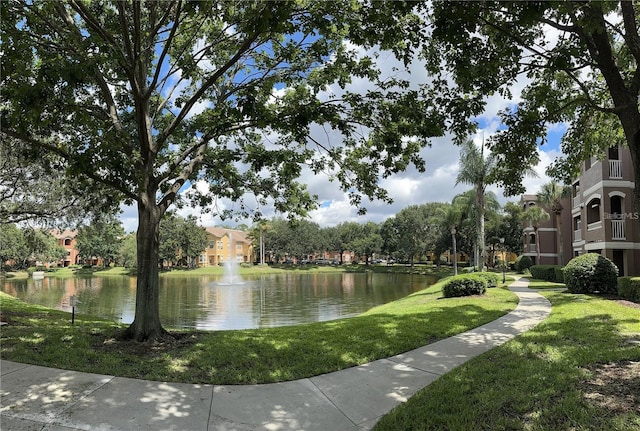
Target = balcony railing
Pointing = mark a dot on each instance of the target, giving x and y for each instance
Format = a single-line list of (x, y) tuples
[(575, 200), (595, 225), (577, 235), (615, 168), (617, 229)]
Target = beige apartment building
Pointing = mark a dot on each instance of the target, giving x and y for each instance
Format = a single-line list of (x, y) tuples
[(226, 245), (598, 217)]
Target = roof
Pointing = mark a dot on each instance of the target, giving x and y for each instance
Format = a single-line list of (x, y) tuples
[(236, 235), (61, 234)]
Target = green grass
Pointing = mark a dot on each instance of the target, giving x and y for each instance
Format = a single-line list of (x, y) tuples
[(41, 336), (544, 379)]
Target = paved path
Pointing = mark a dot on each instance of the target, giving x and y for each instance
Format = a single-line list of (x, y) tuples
[(39, 398)]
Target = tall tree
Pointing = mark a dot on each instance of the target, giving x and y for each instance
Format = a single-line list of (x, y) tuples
[(551, 196), (41, 246), (477, 170), (510, 227), (368, 241), (536, 215), (587, 77), (181, 240), (101, 239), (147, 97), (12, 244)]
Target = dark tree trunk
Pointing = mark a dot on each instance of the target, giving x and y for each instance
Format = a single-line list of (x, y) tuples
[(146, 325)]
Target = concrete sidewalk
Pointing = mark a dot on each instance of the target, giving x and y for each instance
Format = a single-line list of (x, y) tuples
[(39, 398)]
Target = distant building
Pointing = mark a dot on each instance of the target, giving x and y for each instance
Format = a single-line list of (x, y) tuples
[(225, 245), (67, 239)]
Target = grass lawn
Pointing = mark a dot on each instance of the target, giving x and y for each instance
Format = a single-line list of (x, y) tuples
[(251, 270), (577, 370), (42, 336)]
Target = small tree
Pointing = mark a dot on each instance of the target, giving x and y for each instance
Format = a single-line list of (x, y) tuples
[(551, 195), (536, 215)]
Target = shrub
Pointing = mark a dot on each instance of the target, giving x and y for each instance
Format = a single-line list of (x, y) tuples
[(551, 273), (464, 285), (523, 263), (559, 274), (591, 273), (629, 288), (491, 277)]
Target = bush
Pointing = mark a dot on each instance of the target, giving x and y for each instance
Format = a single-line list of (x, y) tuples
[(464, 285), (629, 288), (551, 273), (522, 263), (491, 278), (591, 273)]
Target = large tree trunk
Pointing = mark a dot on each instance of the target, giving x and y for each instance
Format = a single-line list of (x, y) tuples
[(146, 325)]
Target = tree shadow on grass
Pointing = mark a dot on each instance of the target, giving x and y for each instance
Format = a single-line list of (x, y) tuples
[(247, 357), (547, 378)]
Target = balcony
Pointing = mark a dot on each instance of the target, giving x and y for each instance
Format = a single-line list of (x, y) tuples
[(595, 225), (615, 169), (617, 230), (576, 200), (577, 235)]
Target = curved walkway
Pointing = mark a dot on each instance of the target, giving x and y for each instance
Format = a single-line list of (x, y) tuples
[(39, 398)]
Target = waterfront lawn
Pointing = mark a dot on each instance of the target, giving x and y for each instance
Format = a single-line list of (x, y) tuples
[(577, 370), (42, 336)]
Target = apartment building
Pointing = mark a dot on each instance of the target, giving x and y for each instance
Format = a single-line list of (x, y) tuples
[(67, 239), (541, 241), (226, 245), (602, 215), (598, 217)]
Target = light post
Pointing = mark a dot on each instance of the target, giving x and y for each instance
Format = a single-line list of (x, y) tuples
[(504, 258)]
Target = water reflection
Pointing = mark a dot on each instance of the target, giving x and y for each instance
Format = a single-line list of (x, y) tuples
[(210, 303)]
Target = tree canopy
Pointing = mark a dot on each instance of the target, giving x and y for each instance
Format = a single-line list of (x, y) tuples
[(151, 99), (577, 59)]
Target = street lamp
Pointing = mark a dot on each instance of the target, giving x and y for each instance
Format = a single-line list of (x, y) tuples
[(504, 258)]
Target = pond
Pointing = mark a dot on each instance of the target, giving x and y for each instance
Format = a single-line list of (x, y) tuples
[(213, 303)]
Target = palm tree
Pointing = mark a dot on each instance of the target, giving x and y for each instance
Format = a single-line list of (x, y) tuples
[(470, 213), (476, 169), (551, 195), (536, 216)]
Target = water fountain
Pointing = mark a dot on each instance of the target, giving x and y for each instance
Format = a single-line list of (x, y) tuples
[(231, 274)]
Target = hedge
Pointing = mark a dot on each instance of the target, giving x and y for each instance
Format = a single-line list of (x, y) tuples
[(491, 277), (551, 273), (522, 263), (464, 285), (629, 288), (589, 273)]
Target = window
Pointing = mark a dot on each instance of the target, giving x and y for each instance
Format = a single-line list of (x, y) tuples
[(613, 153), (220, 245), (238, 247), (67, 241), (211, 244)]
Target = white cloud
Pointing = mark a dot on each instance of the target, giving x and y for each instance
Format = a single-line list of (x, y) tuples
[(412, 187)]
